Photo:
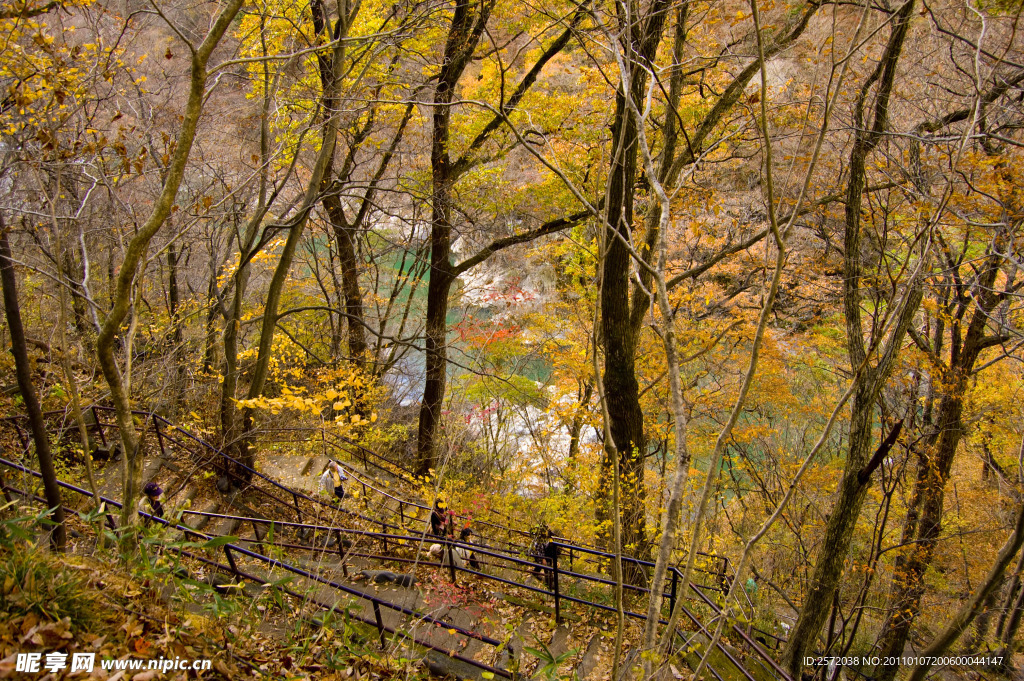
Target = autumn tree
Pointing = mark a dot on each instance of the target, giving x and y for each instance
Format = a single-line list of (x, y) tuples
[(469, 20), (135, 253), (968, 314), (625, 298)]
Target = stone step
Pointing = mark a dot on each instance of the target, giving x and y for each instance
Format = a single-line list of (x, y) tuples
[(179, 494), (108, 479), (198, 522), (449, 668), (588, 663), (511, 657), (297, 471), (557, 646), (224, 526)]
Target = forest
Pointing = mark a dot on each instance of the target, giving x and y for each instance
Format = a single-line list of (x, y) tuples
[(539, 339)]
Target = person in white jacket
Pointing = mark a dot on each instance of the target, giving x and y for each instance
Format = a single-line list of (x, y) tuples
[(461, 555), (332, 478)]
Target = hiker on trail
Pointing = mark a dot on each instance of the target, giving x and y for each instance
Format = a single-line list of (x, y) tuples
[(724, 583), (332, 479), (459, 556), (467, 554), (441, 520), (442, 553), (544, 552), (150, 501)]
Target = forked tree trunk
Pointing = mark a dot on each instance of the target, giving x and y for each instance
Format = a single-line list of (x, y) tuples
[(924, 517)]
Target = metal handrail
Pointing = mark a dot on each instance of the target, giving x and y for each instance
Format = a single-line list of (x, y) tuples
[(273, 562), (475, 547), (365, 450), (415, 504), (156, 418)]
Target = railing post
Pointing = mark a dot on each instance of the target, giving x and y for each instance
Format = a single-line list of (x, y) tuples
[(451, 561), (99, 426), (256, 534), (554, 584), (231, 559), (159, 438), (672, 596), (298, 511), (383, 536), (401, 512), (380, 623)]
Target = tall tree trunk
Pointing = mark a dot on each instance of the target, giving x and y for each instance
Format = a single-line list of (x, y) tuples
[(435, 341), (468, 21), (838, 533), (232, 327), (174, 303), (247, 238), (641, 35), (75, 274), (349, 263), (210, 345), (869, 379), (23, 370)]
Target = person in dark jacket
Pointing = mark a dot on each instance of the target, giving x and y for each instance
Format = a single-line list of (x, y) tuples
[(440, 520), (467, 554), (150, 502), (544, 552)]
